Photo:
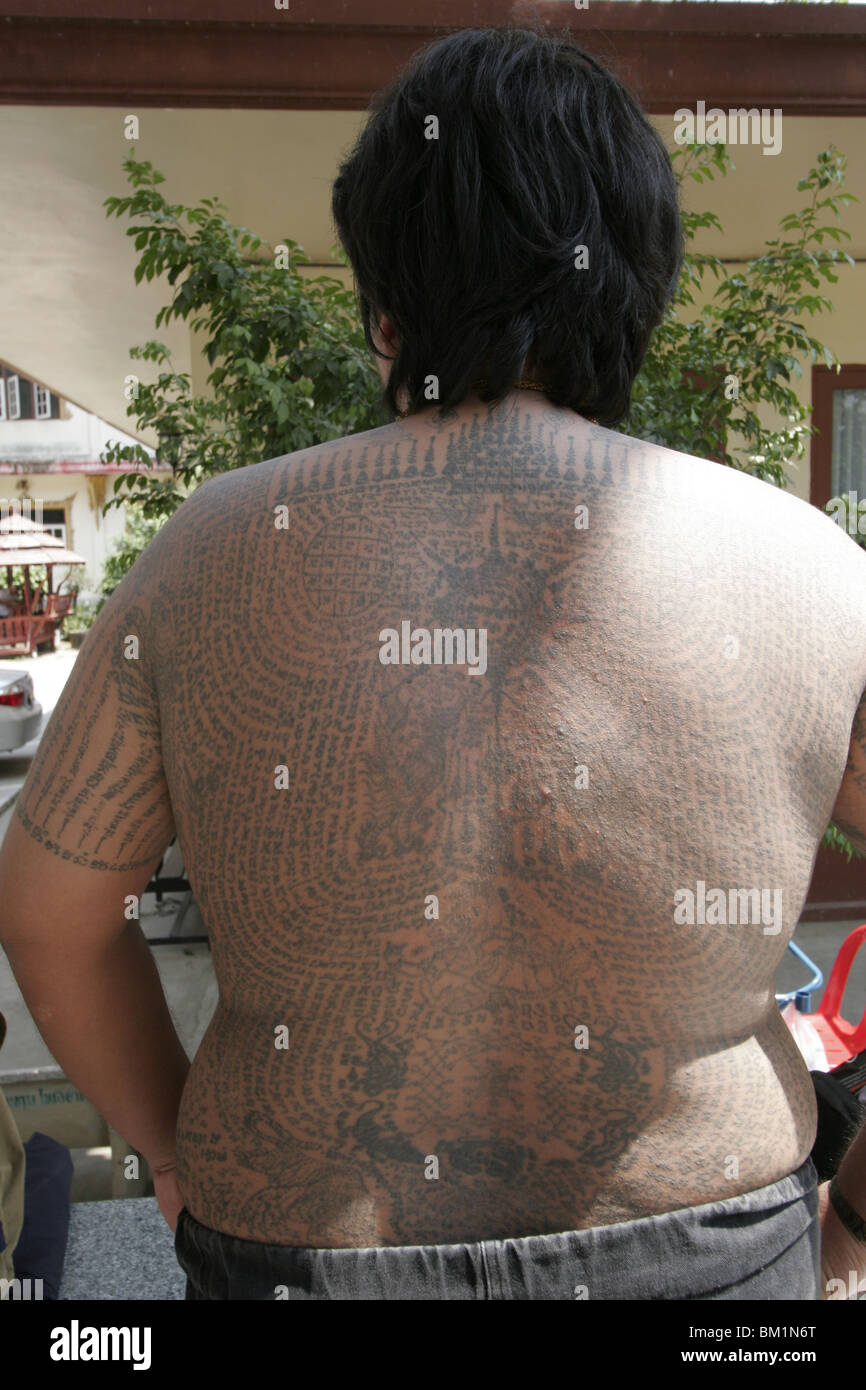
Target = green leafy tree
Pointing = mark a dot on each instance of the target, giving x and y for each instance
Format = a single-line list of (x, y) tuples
[(709, 372), (289, 364), (139, 530)]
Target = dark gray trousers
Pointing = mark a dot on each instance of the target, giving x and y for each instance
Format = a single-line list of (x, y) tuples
[(761, 1245)]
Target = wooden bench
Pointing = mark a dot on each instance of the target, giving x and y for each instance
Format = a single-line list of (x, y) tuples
[(22, 633), (16, 636), (58, 606)]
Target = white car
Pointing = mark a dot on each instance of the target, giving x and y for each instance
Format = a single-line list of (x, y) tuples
[(20, 714)]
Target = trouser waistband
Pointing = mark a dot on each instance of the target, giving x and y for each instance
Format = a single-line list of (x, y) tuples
[(762, 1244)]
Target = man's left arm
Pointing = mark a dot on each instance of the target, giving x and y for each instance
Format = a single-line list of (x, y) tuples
[(89, 828)]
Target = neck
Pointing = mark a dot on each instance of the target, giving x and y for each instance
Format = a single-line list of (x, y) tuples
[(519, 397)]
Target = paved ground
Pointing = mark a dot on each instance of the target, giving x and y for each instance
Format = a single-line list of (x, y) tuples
[(98, 1266)]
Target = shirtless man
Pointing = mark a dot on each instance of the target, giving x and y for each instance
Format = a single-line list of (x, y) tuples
[(495, 935)]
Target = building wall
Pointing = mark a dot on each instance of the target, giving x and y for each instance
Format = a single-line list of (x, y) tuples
[(750, 200), (32, 452), (73, 309)]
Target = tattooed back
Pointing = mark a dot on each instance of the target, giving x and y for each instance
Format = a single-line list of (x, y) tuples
[(496, 947)]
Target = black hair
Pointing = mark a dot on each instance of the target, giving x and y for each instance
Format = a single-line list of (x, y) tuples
[(469, 242)]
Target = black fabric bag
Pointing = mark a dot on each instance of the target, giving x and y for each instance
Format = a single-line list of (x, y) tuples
[(840, 1113)]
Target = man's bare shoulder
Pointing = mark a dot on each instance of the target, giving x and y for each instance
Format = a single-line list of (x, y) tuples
[(252, 480), (767, 504)]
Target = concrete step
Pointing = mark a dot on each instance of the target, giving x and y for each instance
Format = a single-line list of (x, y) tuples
[(119, 1250)]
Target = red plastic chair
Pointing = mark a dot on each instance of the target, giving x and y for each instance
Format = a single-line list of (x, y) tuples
[(842, 1040)]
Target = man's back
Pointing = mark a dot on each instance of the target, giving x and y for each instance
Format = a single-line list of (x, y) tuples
[(495, 946)]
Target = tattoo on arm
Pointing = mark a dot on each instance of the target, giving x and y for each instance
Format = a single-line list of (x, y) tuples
[(96, 793)]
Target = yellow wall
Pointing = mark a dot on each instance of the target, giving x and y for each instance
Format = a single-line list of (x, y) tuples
[(72, 309), (750, 200)]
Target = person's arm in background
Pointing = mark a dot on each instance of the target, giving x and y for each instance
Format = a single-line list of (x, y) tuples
[(841, 1251), (89, 828)]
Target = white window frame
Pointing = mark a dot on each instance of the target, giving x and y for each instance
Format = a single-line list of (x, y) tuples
[(43, 403), (13, 398), (2, 398)]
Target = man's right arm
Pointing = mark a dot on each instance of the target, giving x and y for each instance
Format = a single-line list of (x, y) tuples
[(841, 1252), (849, 813)]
